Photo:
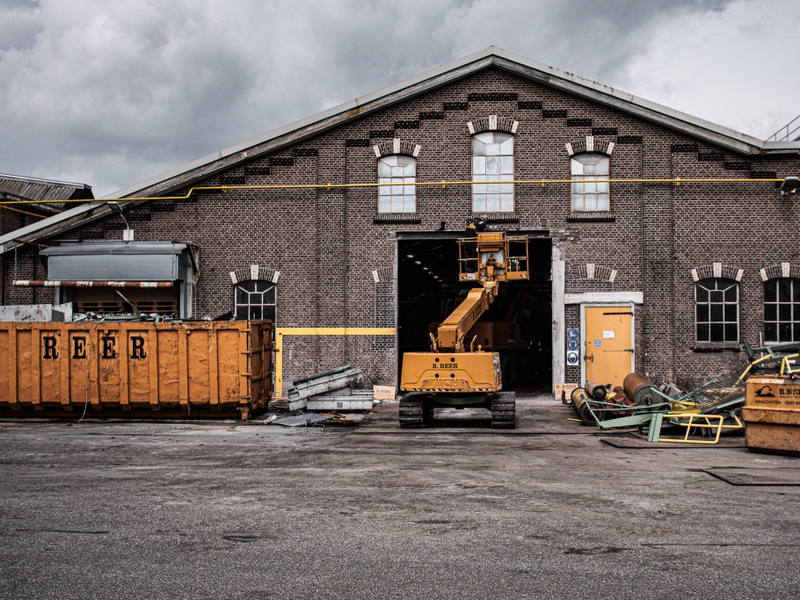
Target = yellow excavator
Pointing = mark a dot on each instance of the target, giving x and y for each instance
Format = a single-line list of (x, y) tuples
[(458, 373)]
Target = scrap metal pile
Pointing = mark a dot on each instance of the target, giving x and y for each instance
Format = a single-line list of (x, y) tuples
[(639, 403), (709, 409)]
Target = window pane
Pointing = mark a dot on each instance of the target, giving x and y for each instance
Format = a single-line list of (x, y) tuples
[(493, 203), (730, 294), (507, 165), (784, 290), (730, 312), (492, 165), (577, 168), (771, 291), (269, 313), (731, 333), (702, 293), (702, 313), (784, 312), (255, 313), (577, 202), (602, 167), (241, 313), (602, 202), (507, 203), (785, 332), (702, 332), (478, 165), (716, 333), (770, 332), (384, 170), (796, 331), (716, 312), (716, 296), (770, 312)]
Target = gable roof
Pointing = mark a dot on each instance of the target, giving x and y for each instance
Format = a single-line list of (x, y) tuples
[(299, 130)]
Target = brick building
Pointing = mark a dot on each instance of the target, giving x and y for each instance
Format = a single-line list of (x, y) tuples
[(634, 266)]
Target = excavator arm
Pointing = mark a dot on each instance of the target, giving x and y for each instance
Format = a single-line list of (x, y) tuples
[(450, 334)]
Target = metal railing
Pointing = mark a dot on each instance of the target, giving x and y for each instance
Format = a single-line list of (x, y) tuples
[(787, 131)]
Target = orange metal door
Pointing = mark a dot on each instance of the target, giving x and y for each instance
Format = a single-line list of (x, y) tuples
[(608, 347)]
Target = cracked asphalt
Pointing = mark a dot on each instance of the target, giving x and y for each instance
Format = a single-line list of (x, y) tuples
[(112, 509)]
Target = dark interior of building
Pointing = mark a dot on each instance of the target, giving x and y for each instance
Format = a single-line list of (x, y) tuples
[(518, 323)]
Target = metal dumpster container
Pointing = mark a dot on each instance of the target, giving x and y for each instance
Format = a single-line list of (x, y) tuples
[(772, 414), (149, 369)]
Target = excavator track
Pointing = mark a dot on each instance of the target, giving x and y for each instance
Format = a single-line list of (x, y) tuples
[(413, 412), (504, 410)]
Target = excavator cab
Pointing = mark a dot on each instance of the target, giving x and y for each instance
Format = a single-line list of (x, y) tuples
[(458, 373)]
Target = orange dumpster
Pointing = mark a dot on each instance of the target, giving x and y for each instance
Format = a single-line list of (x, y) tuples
[(165, 369), (772, 414)]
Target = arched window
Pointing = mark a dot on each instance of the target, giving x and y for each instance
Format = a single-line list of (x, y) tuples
[(492, 163), (589, 194), (401, 196), (254, 300), (717, 310), (782, 310)]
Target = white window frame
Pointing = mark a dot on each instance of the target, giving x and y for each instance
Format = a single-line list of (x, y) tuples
[(715, 313), (252, 297), (590, 189), (399, 171), (782, 311), (493, 172)]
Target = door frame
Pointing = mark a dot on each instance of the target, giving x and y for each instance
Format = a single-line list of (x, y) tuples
[(596, 303)]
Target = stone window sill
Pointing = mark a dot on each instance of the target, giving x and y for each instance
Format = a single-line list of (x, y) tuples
[(498, 217), (396, 218), (716, 347), (594, 217)]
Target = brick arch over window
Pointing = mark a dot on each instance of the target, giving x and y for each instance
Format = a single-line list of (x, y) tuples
[(397, 146), (782, 270), (493, 123), (589, 144), (593, 272), (254, 272), (717, 271)]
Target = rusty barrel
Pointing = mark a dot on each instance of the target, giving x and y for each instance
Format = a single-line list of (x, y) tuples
[(595, 390), (640, 389), (181, 368), (579, 402)]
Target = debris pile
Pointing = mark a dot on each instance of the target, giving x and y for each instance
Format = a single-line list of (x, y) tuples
[(340, 389)]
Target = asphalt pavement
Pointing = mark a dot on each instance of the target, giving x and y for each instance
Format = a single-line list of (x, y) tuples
[(553, 509)]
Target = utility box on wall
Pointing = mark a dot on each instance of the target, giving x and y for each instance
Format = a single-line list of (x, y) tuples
[(136, 369)]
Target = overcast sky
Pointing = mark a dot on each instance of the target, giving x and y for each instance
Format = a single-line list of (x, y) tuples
[(111, 92)]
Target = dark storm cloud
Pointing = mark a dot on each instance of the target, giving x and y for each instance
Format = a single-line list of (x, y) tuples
[(110, 93)]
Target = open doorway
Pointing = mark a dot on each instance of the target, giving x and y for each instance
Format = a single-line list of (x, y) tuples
[(517, 325)]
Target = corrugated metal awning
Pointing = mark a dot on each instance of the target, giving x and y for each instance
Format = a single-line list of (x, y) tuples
[(117, 261), (99, 284)]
